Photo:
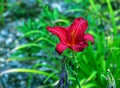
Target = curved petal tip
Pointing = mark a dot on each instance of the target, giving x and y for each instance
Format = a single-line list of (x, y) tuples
[(60, 47), (89, 37)]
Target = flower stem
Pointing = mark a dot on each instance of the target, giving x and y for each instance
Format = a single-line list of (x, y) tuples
[(77, 81), (75, 62)]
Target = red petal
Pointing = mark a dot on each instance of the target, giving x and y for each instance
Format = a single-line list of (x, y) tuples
[(79, 47), (60, 47), (89, 37), (67, 28), (77, 29), (58, 31)]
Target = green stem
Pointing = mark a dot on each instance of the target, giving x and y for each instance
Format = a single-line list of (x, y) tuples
[(77, 80), (73, 55)]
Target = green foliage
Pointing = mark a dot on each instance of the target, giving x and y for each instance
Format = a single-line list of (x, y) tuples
[(2, 6), (93, 63)]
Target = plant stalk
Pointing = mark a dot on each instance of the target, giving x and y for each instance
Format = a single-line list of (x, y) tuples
[(77, 80)]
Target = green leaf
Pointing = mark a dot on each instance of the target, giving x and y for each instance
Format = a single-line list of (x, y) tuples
[(92, 76), (33, 32), (30, 45), (112, 17), (45, 39), (49, 76), (28, 71)]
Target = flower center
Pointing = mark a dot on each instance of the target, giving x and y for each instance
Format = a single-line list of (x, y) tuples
[(73, 38)]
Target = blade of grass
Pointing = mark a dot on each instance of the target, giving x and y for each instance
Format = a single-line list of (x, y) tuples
[(112, 17), (28, 71), (33, 32), (49, 77), (45, 39), (90, 85), (61, 20), (22, 58), (93, 5), (92, 76), (35, 67), (26, 46)]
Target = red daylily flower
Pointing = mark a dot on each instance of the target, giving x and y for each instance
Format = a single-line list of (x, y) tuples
[(73, 36)]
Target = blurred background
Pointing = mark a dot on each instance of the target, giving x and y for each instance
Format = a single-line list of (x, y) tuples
[(27, 50)]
